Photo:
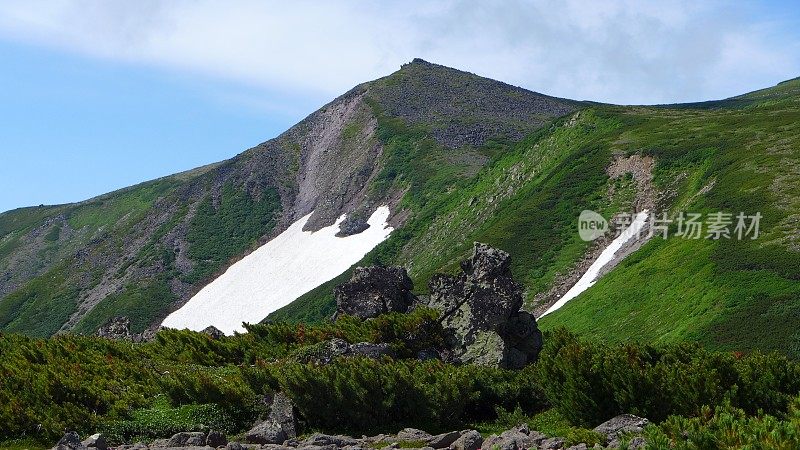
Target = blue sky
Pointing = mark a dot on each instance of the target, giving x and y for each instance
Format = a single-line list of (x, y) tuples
[(98, 95)]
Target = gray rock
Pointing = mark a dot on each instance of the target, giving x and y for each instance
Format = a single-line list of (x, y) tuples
[(214, 332), (116, 328), (552, 443), (580, 446), (351, 225), (280, 425), (481, 312), (515, 439), (70, 441), (322, 440), (428, 354), (234, 446), (373, 291), (444, 440), (469, 440), (216, 439), (282, 411), (97, 441), (620, 425), (193, 439), (374, 351), (413, 435), (266, 432)]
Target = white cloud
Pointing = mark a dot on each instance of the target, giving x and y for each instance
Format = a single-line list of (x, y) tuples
[(623, 52)]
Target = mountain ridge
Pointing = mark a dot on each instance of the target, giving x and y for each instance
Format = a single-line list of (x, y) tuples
[(457, 158), (134, 245)]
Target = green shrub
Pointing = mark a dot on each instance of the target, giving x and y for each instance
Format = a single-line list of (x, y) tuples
[(164, 420), (590, 383)]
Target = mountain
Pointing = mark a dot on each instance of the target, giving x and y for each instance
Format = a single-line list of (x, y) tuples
[(455, 158), (144, 251)]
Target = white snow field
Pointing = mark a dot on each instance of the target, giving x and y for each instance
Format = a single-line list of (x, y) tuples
[(590, 277), (278, 272)]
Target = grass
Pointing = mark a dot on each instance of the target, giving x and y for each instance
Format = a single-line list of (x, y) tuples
[(219, 232), (163, 419), (725, 158), (41, 306), (729, 294), (143, 303)]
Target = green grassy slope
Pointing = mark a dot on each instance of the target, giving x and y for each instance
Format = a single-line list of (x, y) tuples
[(142, 250), (729, 294)]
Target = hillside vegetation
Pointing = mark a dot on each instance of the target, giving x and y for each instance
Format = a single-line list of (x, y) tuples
[(739, 156), (184, 381)]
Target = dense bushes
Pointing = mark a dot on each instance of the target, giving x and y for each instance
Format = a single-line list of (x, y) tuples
[(725, 427), (187, 380), (589, 383), (359, 395)]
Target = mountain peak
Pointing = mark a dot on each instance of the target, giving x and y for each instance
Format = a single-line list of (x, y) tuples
[(420, 61)]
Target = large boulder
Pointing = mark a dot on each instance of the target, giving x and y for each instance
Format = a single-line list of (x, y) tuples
[(481, 313), (266, 432), (373, 291), (280, 425), (70, 441), (96, 441), (621, 425), (469, 440), (282, 412), (192, 439)]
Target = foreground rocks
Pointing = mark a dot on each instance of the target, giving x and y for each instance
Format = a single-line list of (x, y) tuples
[(481, 312), (282, 421), (280, 425), (373, 291), (480, 308), (615, 429)]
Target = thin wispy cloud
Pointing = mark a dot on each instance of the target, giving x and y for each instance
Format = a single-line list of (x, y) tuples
[(622, 52)]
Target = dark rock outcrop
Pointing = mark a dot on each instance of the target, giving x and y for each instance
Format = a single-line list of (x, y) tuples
[(116, 328), (351, 225), (214, 332), (280, 425), (481, 312), (373, 291), (216, 439)]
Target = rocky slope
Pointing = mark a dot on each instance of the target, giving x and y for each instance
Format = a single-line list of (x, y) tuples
[(458, 159), (143, 251)]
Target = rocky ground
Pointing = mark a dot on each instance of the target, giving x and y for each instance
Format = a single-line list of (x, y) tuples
[(267, 436)]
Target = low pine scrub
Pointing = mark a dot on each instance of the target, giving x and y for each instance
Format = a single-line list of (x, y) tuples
[(184, 381)]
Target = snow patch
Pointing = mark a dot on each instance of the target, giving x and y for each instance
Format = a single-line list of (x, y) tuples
[(590, 277), (277, 273)]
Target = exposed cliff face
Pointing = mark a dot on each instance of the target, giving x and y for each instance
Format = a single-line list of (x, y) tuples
[(145, 250)]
